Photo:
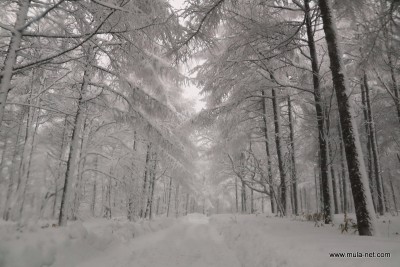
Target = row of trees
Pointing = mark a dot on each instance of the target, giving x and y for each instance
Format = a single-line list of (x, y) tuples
[(90, 111), (294, 88)]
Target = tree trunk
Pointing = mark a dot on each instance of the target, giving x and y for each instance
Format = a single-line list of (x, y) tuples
[(169, 195), (374, 148), (13, 175), (369, 149), (334, 184), (73, 157), (26, 173), (389, 50), (146, 182), (284, 197), (60, 167), (11, 55), (393, 193), (293, 155), (269, 163), (251, 201), (358, 178), (81, 165), (187, 204), (236, 195), (3, 157), (177, 202), (322, 139), (243, 195), (149, 209), (316, 190)]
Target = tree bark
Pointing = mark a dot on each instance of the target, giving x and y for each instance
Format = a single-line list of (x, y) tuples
[(374, 148), (146, 182), (73, 157), (369, 149), (11, 55), (269, 162), (236, 195), (149, 209), (177, 203), (60, 166), (284, 197), (293, 155), (322, 139), (13, 174), (358, 178), (169, 195)]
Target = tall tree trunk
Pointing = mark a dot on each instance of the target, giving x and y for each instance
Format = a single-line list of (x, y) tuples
[(152, 187), (81, 164), (343, 169), (269, 162), (11, 55), (393, 192), (236, 194), (146, 182), (389, 50), (187, 204), (316, 190), (374, 148), (26, 173), (60, 166), (293, 154), (243, 198), (322, 139), (94, 191), (333, 178), (177, 202), (251, 201), (369, 148), (73, 157), (358, 177), (169, 195), (3, 158), (284, 196), (13, 174)]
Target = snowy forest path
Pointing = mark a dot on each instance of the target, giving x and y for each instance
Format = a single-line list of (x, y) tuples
[(190, 242)]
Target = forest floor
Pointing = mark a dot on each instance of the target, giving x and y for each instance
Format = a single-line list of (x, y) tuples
[(196, 241)]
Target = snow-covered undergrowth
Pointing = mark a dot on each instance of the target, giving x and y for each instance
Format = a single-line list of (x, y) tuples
[(40, 244), (261, 241)]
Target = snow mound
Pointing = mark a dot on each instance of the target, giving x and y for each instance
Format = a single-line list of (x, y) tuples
[(259, 241), (41, 245)]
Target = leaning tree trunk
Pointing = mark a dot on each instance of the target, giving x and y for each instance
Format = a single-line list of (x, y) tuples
[(293, 155), (284, 197), (269, 162), (11, 55), (358, 177), (73, 157), (322, 138)]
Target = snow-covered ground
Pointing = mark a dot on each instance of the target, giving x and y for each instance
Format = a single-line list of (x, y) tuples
[(260, 241), (195, 240), (40, 244)]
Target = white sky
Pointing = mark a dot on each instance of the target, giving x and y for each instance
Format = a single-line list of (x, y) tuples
[(190, 91)]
